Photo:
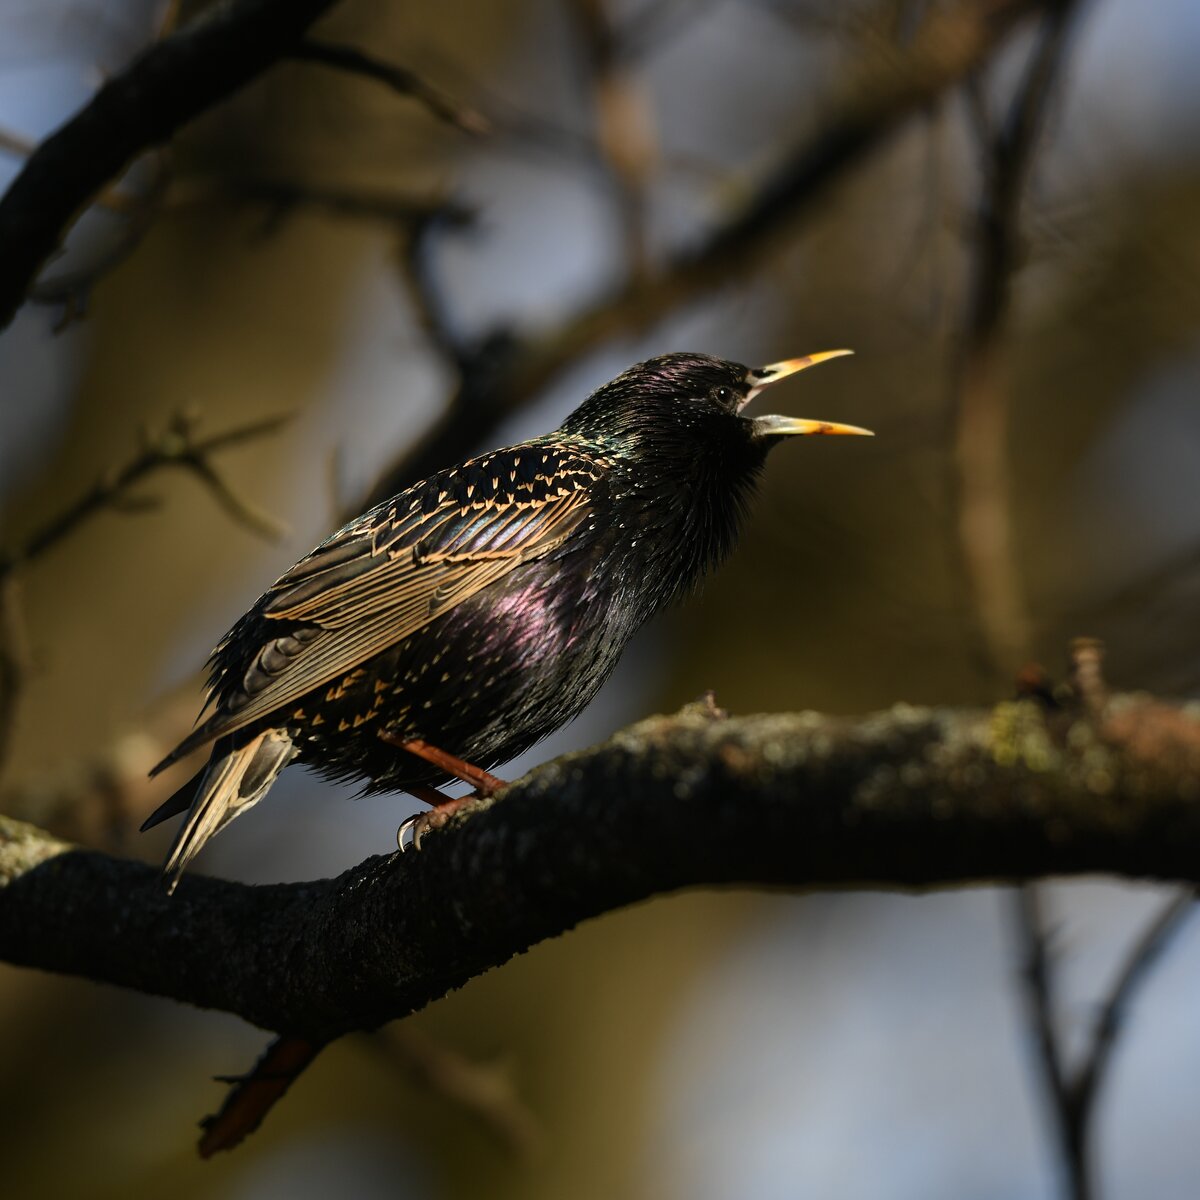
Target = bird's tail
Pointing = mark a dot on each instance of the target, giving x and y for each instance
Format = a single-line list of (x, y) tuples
[(236, 778)]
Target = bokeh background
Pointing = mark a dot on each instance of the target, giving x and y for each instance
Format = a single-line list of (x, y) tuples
[(320, 246)]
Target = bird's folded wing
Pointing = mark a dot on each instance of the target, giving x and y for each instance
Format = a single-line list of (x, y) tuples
[(387, 574)]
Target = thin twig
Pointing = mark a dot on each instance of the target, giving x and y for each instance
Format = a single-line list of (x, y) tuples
[(175, 446), (71, 289), (981, 502), (282, 195), (483, 1089), (1074, 1094), (1038, 975), (399, 79), (1146, 950), (253, 1095)]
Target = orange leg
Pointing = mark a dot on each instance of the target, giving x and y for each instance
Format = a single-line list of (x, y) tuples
[(442, 808), (484, 784), (419, 824)]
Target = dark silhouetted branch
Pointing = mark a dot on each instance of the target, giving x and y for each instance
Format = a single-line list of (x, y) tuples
[(905, 799), (369, 204), (1144, 953), (253, 1095), (1073, 1095), (169, 84), (71, 289), (1037, 972), (399, 79)]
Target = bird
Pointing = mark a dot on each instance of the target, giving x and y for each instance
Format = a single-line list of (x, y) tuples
[(454, 625)]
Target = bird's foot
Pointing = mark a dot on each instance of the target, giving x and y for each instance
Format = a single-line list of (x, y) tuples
[(414, 829), (419, 824)]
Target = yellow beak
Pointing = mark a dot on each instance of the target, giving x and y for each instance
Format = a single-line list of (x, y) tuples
[(772, 426), (774, 372)]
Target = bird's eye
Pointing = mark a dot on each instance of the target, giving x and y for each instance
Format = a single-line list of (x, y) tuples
[(724, 394)]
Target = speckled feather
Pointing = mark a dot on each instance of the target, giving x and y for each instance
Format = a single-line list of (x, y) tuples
[(482, 608)]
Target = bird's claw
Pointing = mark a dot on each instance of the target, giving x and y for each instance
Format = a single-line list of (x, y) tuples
[(417, 826)]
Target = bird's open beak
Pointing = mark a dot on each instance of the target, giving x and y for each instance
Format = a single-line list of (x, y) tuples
[(773, 426)]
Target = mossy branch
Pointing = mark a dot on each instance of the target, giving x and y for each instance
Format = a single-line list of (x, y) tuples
[(907, 799)]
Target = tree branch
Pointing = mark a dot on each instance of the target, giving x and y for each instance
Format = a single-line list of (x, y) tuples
[(165, 87), (981, 485), (399, 79), (175, 446), (905, 799), (253, 1095), (483, 1090), (1073, 1095)]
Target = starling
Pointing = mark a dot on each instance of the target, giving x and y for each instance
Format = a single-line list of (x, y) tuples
[(453, 626)]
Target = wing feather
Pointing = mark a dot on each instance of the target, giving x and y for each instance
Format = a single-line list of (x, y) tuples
[(390, 572)]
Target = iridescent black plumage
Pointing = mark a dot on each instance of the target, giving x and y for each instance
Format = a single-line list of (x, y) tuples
[(482, 608)]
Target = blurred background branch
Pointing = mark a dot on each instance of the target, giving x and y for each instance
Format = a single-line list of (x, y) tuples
[(178, 445), (505, 371), (1074, 1092), (399, 79), (481, 1091), (981, 407), (1003, 636)]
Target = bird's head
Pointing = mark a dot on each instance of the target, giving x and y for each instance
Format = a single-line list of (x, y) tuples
[(694, 398)]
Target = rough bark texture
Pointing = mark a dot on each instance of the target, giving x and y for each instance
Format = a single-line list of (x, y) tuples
[(910, 798)]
